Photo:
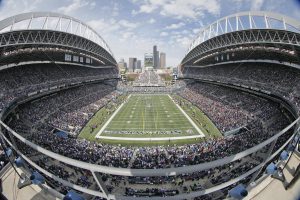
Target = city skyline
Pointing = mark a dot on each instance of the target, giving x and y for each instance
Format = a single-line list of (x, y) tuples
[(132, 27), (135, 63)]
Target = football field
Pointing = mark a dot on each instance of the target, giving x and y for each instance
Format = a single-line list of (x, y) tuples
[(144, 116)]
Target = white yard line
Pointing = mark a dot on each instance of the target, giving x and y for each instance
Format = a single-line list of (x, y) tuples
[(190, 120), (149, 139), (111, 117)]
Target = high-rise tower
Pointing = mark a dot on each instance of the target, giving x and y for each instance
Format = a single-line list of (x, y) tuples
[(162, 60), (155, 57)]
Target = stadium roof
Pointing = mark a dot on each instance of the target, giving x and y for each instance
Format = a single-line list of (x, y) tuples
[(246, 21), (52, 21)]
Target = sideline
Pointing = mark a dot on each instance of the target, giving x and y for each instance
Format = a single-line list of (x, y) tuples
[(149, 139), (190, 120), (111, 117)]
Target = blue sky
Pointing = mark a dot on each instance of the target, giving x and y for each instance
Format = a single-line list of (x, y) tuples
[(132, 27)]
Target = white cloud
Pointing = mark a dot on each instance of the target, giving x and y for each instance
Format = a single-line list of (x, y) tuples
[(256, 4), (151, 21), (115, 32), (115, 10), (76, 5), (147, 8), (180, 8), (103, 26), (184, 41), (134, 12), (126, 35), (175, 26), (164, 34), (196, 30), (128, 24), (10, 7)]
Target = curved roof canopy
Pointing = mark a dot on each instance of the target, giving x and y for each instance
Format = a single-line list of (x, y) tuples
[(52, 21), (245, 21)]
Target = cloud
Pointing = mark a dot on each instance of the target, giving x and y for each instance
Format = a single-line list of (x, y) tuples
[(256, 4), (111, 26), (103, 26), (175, 26), (10, 7), (128, 24), (133, 34), (134, 12), (196, 30), (147, 8), (164, 34), (184, 41), (151, 21), (115, 10), (76, 5), (180, 8), (126, 35)]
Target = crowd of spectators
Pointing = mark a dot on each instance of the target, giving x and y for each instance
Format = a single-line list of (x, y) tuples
[(149, 78), (150, 82), (227, 108), (20, 81), (275, 78), (70, 109), (155, 186), (251, 114)]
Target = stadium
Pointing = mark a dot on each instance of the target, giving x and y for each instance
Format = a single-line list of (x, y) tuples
[(228, 128)]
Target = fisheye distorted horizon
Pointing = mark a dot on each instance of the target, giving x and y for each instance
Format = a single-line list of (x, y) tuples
[(132, 27)]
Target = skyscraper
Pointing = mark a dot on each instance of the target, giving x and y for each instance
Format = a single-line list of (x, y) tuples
[(131, 64), (139, 64), (162, 60), (155, 57), (122, 64), (148, 60)]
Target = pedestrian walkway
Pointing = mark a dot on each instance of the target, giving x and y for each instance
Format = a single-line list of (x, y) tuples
[(274, 189)]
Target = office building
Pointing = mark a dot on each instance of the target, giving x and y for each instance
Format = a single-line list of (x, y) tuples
[(148, 60), (155, 57), (132, 64), (162, 60), (122, 65), (139, 65)]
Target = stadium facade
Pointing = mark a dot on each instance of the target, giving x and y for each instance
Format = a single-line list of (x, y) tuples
[(72, 55)]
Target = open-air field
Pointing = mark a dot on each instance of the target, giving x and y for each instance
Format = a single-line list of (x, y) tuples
[(149, 119), (149, 116)]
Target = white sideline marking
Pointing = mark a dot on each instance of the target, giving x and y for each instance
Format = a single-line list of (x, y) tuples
[(150, 138), (111, 117), (190, 120)]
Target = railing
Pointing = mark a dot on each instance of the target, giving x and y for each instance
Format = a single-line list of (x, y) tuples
[(93, 168)]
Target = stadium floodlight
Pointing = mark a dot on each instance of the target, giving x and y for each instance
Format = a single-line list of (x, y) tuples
[(8, 152), (238, 192), (35, 178), (290, 147), (275, 172), (284, 155), (72, 195), (271, 169), (19, 162)]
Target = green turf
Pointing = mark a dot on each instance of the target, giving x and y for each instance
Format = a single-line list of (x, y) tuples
[(100, 118), (149, 114), (152, 143), (200, 118)]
